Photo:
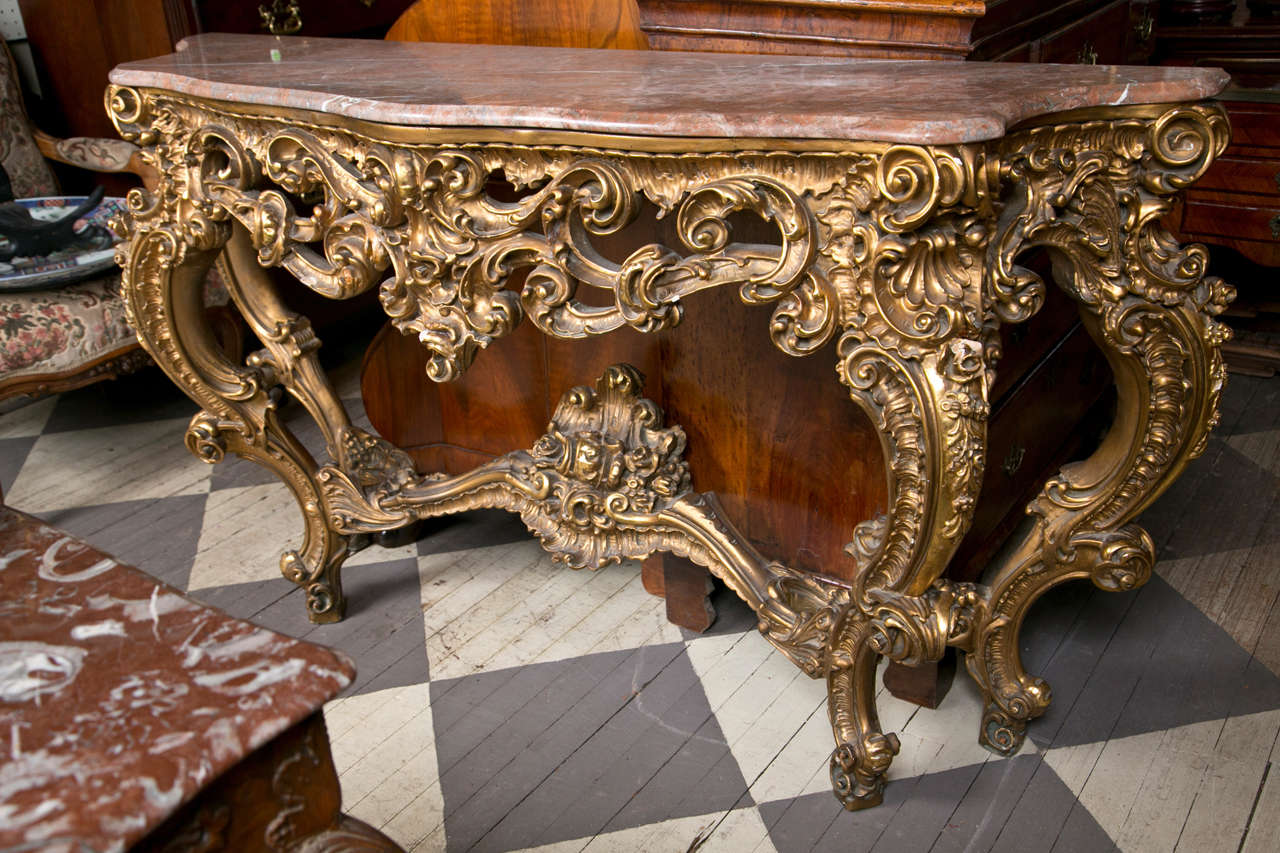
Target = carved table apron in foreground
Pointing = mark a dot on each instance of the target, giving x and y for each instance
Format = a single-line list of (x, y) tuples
[(901, 218)]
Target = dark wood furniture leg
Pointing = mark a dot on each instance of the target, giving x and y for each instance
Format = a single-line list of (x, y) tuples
[(926, 684), (284, 796), (686, 587)]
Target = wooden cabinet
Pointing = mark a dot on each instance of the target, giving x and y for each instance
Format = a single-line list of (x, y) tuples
[(1236, 204), (1100, 37), (924, 29), (76, 43), (1116, 31)]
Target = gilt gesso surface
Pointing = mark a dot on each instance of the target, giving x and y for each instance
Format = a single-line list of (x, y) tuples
[(905, 256)]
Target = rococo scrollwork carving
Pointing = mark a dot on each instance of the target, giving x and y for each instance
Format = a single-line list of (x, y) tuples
[(1093, 194), (905, 256)]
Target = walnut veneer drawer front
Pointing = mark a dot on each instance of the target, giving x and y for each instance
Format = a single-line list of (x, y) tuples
[(1239, 217), (1252, 175), (1253, 125)]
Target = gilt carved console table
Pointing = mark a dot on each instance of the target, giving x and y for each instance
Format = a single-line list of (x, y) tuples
[(902, 195)]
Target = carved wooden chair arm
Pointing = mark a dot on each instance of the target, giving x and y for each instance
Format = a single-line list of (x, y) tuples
[(97, 155)]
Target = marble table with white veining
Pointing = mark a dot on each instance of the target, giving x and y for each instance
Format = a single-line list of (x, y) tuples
[(124, 703), (900, 197), (648, 93)]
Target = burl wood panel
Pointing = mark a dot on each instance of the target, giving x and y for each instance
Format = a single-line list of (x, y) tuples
[(503, 402), (774, 436), (551, 23)]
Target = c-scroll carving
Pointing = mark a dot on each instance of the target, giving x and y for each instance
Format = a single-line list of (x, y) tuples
[(1093, 195), (907, 251)]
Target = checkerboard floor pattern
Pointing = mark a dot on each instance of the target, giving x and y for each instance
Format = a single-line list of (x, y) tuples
[(504, 703)]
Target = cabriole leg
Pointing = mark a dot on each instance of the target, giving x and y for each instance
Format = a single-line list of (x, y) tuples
[(921, 370), (1149, 306)]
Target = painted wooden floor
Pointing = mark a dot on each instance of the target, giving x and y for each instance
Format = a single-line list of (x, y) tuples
[(504, 703)]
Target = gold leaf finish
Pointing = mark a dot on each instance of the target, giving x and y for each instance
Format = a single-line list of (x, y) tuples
[(907, 257)]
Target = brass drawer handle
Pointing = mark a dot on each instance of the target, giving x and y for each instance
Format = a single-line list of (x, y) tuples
[(1013, 461), (1088, 54), (1145, 26), (281, 18), (1275, 227)]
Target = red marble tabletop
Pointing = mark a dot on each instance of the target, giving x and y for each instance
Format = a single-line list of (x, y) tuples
[(655, 93), (120, 698)]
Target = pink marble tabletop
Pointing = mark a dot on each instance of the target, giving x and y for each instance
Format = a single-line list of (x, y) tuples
[(651, 93), (121, 699)]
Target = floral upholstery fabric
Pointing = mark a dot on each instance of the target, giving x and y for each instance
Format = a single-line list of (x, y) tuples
[(29, 173), (62, 330), (57, 331)]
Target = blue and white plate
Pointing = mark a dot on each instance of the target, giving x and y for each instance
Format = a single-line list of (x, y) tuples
[(64, 266)]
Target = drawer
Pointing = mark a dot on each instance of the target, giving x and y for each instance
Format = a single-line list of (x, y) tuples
[(1251, 175), (1140, 34), (1030, 435), (1026, 344), (1099, 39), (1239, 217), (1254, 125)]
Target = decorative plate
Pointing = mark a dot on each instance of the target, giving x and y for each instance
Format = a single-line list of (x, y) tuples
[(65, 266)]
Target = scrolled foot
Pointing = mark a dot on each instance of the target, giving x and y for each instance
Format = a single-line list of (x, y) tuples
[(1004, 724), (325, 601), (858, 770), (1001, 733)]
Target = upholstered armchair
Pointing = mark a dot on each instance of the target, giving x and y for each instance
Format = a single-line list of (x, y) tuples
[(68, 336)]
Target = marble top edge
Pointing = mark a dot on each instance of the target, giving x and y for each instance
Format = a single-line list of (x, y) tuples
[(651, 93), (132, 697)]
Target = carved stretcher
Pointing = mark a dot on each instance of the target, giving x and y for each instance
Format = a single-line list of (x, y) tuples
[(902, 195)]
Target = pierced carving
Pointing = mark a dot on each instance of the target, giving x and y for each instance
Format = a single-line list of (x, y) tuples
[(1093, 194), (907, 255), (605, 453)]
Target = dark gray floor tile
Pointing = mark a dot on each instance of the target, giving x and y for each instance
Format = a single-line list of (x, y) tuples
[(1079, 663), (1263, 410), (1220, 517), (494, 744), (574, 757), (1196, 670), (1039, 820), (925, 815), (990, 798), (247, 600), (385, 670), (1165, 665), (13, 453), (818, 821), (670, 716), (1017, 804), (1082, 834), (702, 768), (158, 536), (144, 396)]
